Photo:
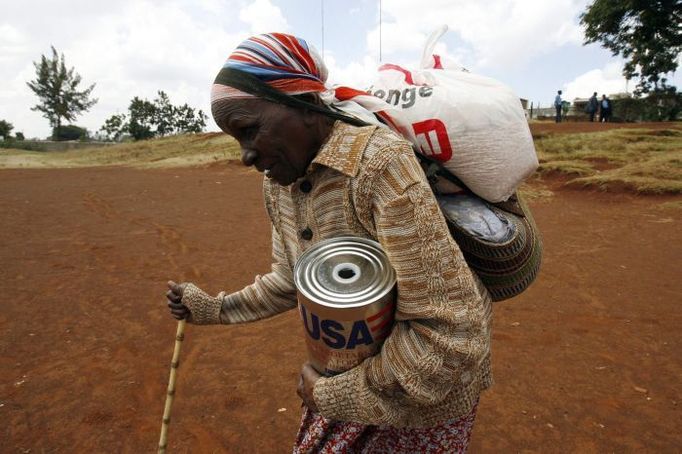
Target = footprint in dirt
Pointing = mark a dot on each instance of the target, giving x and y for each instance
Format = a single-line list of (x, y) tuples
[(98, 205)]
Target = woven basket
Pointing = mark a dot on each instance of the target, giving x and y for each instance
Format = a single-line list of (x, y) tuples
[(507, 268)]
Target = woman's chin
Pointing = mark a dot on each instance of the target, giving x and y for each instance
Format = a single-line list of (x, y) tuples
[(283, 180)]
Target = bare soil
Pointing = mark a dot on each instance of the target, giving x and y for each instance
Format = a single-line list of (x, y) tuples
[(566, 127), (589, 359)]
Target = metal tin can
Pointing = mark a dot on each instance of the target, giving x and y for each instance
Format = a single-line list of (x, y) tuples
[(346, 296)]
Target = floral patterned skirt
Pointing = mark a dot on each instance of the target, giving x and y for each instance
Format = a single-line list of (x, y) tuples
[(319, 435)]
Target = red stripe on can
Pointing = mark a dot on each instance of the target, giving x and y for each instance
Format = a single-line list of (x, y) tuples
[(379, 314), (381, 325)]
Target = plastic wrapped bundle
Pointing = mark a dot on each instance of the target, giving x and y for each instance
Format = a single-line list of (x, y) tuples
[(476, 218)]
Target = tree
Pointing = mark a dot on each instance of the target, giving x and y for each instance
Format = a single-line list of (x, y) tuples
[(663, 104), (147, 119), (6, 129), (57, 88), (646, 33), (163, 114), (142, 116), (114, 127), (186, 120)]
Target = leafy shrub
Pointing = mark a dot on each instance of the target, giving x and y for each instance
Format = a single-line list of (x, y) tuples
[(660, 105), (158, 118), (69, 132), (6, 129)]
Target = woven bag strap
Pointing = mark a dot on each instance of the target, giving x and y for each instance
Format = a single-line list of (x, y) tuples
[(434, 168)]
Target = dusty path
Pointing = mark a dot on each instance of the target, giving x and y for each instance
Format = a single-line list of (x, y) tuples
[(588, 360), (566, 127)]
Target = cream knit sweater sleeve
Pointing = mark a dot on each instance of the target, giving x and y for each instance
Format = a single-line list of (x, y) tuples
[(441, 336), (269, 295)]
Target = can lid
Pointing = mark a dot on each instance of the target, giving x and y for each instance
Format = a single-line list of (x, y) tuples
[(344, 272)]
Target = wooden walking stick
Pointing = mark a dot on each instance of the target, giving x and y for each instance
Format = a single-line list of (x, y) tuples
[(179, 336)]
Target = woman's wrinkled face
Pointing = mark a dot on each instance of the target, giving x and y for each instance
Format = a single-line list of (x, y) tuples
[(276, 139)]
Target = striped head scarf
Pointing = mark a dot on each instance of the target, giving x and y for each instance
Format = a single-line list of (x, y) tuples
[(284, 62), (277, 67)]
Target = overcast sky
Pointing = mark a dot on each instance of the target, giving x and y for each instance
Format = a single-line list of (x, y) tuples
[(136, 47)]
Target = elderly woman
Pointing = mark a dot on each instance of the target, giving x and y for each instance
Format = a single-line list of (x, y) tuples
[(330, 170)]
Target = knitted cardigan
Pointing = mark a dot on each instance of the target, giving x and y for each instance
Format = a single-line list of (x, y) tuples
[(366, 181)]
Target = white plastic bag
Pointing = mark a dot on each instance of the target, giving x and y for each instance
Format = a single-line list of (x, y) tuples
[(472, 124)]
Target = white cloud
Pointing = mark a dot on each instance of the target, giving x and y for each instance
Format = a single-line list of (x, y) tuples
[(211, 6), (263, 17), (356, 74), (498, 33), (396, 39), (136, 47), (127, 52), (16, 100), (13, 43), (607, 80)]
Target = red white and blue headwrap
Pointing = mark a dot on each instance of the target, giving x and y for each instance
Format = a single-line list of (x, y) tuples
[(284, 62), (277, 66)]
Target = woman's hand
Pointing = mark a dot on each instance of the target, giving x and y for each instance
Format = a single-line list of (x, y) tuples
[(174, 296), (306, 384)]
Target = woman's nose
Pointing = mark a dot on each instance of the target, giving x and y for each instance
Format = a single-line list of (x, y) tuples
[(249, 156)]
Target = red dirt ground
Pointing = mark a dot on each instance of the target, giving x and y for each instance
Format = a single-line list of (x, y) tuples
[(578, 126), (589, 359)]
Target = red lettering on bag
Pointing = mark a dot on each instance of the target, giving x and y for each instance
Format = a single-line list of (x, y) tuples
[(406, 73), (423, 130)]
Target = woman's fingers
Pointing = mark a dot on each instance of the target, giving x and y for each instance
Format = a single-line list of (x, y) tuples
[(179, 312), (174, 297), (178, 289), (176, 306), (179, 316)]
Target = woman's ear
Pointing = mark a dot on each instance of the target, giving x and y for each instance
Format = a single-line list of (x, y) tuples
[(311, 117), (311, 98)]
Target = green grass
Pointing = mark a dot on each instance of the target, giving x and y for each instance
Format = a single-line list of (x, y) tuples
[(175, 151), (643, 160)]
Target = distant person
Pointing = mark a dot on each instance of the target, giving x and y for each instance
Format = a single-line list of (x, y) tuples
[(592, 106), (604, 109), (557, 105)]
